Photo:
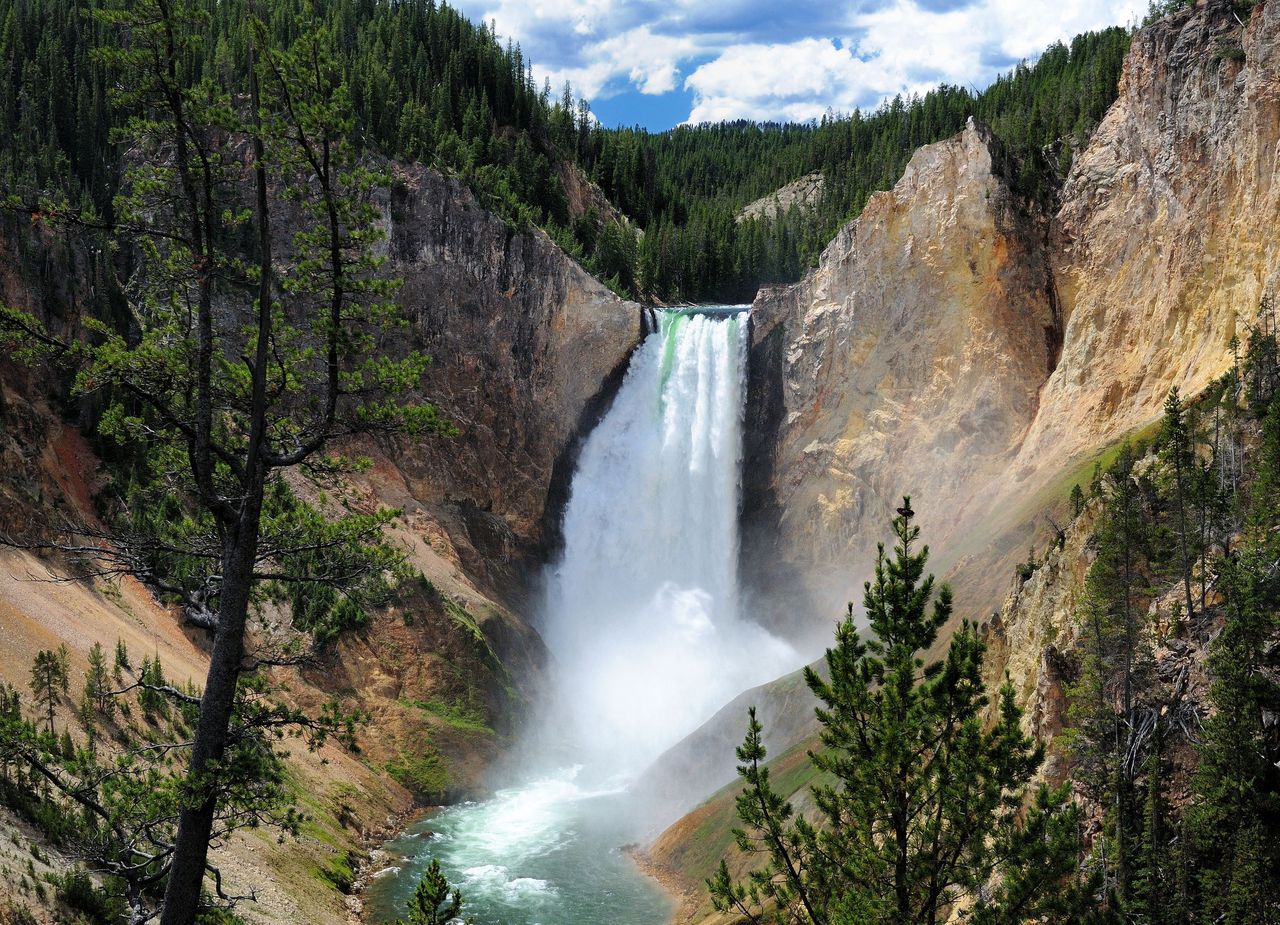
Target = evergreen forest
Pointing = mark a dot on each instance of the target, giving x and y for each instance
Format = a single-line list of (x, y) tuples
[(428, 85)]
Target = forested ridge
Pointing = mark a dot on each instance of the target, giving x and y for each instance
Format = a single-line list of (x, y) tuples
[(686, 187), (426, 84)]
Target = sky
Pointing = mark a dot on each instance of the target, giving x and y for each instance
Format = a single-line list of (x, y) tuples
[(659, 63)]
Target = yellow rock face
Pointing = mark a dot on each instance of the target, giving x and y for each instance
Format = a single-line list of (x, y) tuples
[(955, 346), (1166, 240)]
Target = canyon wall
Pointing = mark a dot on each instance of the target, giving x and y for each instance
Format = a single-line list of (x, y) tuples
[(527, 349), (1166, 240), (908, 362), (957, 346)]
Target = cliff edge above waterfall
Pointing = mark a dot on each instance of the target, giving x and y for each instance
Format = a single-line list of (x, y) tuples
[(908, 361)]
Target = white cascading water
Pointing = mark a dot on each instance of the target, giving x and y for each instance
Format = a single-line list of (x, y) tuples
[(642, 620), (642, 614)]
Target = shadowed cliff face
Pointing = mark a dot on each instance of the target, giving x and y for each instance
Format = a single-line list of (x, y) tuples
[(954, 346), (528, 349)]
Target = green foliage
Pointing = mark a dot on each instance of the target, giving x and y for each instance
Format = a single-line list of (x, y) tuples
[(121, 662), (218, 916), (151, 695), (462, 715), (1199, 503), (1159, 9), (341, 873), (1261, 371), (1178, 454), (262, 326), (422, 83), (81, 895), (926, 808), (334, 570), (1236, 815), (118, 809), (434, 902), (426, 773), (686, 187), (1116, 664), (50, 679), (1028, 568), (13, 913), (97, 690)]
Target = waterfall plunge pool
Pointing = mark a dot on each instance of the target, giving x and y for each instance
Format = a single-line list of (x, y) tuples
[(546, 853)]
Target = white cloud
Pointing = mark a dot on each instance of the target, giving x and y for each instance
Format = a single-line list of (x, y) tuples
[(796, 81), (899, 48), (763, 60)]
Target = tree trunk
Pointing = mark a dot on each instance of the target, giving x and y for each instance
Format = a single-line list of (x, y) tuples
[(196, 818), (1182, 534)]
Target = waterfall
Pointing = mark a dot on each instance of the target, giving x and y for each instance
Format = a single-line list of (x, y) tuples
[(648, 640), (642, 611)]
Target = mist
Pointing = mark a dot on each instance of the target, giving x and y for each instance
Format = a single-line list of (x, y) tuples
[(642, 612)]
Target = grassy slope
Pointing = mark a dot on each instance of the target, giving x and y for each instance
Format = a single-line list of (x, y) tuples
[(424, 671)]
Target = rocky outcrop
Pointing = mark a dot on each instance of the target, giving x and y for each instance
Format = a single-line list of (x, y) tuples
[(582, 197), (1036, 625), (909, 361), (955, 346), (803, 194), (1165, 242), (527, 349)]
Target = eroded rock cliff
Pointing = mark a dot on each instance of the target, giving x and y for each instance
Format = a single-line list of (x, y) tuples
[(1166, 240), (803, 194), (954, 345), (528, 347), (909, 361)]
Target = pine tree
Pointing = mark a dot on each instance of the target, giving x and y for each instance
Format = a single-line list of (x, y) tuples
[(925, 805), (434, 902), (96, 690), (88, 716), (1116, 669), (1178, 454), (1236, 815), (1153, 868), (121, 663), (50, 679), (307, 305), (151, 679)]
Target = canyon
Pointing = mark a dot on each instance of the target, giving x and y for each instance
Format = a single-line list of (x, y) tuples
[(956, 342), (958, 345)]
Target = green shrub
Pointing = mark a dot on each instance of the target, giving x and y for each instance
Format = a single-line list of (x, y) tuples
[(427, 774)]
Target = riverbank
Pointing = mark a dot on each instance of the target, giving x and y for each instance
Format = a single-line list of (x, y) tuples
[(685, 900), (373, 853)]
